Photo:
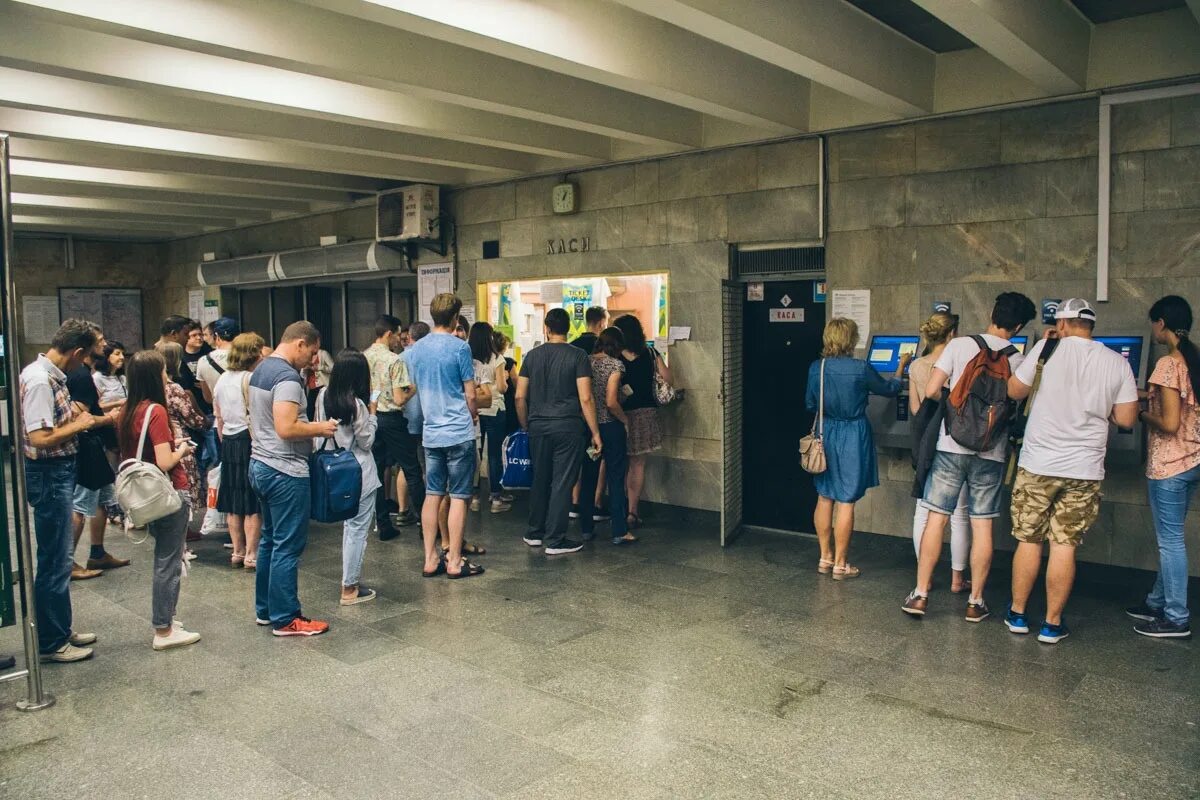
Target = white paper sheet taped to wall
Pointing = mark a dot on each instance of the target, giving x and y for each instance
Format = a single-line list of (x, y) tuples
[(854, 304)]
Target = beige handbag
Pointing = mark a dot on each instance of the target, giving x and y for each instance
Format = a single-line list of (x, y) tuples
[(812, 447)]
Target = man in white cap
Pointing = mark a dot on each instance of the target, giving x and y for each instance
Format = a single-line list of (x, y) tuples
[(1081, 389)]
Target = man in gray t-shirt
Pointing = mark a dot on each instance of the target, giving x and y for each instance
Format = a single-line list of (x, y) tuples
[(281, 441)]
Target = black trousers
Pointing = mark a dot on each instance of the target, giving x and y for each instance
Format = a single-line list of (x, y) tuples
[(557, 456), (395, 446)]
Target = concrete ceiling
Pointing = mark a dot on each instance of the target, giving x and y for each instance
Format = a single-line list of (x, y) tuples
[(171, 117)]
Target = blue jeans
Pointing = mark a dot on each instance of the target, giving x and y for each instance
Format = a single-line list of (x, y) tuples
[(492, 428), (1169, 505), (951, 471), (354, 539), (450, 471), (616, 464), (50, 486), (286, 503)]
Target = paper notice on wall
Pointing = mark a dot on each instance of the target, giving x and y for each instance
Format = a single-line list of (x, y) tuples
[(679, 333), (211, 311), (40, 314), (468, 315), (196, 303), (854, 304), (432, 280)]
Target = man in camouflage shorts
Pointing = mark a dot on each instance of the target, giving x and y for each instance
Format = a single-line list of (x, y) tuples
[(1081, 387)]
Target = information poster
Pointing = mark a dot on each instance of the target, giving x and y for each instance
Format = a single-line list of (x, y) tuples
[(504, 315), (211, 312), (854, 304), (432, 280), (40, 315), (196, 303), (576, 299), (118, 312)]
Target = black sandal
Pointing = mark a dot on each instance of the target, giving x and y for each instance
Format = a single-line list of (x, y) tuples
[(473, 549), (466, 570), (441, 567)]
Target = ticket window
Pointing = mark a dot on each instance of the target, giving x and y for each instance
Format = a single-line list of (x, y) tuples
[(519, 307)]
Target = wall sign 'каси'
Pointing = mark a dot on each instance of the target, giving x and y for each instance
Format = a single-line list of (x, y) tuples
[(579, 245)]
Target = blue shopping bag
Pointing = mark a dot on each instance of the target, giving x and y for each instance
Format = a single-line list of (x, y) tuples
[(518, 466)]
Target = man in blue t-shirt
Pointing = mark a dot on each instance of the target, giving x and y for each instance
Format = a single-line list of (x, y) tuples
[(280, 443), (440, 366)]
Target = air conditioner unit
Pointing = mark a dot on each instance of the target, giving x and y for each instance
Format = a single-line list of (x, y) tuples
[(410, 212)]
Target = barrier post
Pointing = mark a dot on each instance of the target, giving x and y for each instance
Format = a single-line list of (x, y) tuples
[(36, 698)]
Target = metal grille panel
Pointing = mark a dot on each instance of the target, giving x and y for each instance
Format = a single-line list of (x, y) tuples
[(784, 260), (731, 410)]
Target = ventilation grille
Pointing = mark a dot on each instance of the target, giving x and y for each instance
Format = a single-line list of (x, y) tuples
[(731, 409), (779, 261)]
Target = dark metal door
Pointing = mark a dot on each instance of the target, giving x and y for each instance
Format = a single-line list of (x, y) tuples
[(782, 337)]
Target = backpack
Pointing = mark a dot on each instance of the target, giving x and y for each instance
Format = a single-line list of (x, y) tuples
[(144, 491), (1016, 435), (336, 483), (978, 411), (518, 466)]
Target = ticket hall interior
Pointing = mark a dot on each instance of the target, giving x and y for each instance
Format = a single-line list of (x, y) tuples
[(733, 177)]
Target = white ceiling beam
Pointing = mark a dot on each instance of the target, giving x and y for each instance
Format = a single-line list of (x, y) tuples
[(101, 215), (67, 224), (607, 44), (1046, 41), (160, 197), (283, 34), (31, 90), (826, 41), (193, 184), (31, 43), (43, 124), (23, 200), (101, 155)]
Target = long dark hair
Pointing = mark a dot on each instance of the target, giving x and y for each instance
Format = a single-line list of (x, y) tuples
[(1176, 316), (631, 329), (144, 379), (480, 340), (349, 382), (610, 342), (103, 366)]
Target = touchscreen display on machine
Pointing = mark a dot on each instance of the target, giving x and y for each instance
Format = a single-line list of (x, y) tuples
[(1021, 343), (885, 351), (1128, 346)]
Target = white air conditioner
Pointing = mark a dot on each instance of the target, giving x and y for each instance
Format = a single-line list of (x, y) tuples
[(410, 212)]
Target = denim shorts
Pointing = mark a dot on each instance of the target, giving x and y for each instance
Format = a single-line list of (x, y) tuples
[(88, 501), (451, 471), (983, 478)]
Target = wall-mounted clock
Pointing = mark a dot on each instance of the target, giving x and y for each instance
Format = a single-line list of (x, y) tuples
[(564, 198)]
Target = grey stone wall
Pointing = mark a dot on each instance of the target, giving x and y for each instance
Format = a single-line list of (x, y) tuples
[(674, 215), (962, 209)]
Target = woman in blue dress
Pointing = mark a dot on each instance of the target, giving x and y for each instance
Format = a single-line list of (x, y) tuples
[(849, 447)]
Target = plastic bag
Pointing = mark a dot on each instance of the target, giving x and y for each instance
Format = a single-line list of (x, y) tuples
[(214, 486), (214, 523), (518, 466)]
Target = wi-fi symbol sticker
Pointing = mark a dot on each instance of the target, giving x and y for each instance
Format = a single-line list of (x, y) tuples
[(1049, 309)]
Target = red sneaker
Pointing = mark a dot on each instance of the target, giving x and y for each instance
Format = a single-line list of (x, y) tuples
[(302, 626)]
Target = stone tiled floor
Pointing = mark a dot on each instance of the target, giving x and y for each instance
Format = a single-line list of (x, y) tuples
[(671, 669)]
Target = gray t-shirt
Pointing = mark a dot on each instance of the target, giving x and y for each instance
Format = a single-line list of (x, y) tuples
[(552, 370), (276, 381)]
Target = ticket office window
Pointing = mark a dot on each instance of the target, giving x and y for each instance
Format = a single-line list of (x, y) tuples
[(519, 307)]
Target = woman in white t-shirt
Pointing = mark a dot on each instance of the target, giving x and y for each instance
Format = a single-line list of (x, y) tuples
[(490, 370), (109, 376), (937, 331), (231, 407)]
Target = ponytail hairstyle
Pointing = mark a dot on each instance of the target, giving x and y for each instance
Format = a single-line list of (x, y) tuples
[(1176, 316), (938, 329)]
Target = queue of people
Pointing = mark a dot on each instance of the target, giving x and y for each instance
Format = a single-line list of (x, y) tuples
[(987, 416)]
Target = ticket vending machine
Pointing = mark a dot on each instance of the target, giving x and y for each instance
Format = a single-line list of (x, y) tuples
[(1125, 445), (889, 416)]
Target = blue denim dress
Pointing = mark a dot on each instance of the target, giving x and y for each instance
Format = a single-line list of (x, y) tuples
[(851, 466)]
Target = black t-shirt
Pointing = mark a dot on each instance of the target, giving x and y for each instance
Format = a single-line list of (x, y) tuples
[(586, 342), (83, 390), (639, 376), (552, 370)]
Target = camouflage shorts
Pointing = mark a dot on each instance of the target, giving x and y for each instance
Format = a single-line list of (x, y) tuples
[(1063, 508)]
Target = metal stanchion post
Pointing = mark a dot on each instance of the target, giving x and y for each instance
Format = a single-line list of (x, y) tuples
[(36, 698)]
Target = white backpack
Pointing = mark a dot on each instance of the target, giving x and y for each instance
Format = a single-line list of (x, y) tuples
[(144, 491)]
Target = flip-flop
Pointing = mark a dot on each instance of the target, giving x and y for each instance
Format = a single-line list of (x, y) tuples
[(441, 567), (467, 570)]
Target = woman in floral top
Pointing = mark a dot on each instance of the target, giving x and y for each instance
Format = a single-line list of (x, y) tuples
[(184, 415), (1173, 466)]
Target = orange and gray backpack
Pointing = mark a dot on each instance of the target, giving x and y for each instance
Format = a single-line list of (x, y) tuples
[(978, 411)]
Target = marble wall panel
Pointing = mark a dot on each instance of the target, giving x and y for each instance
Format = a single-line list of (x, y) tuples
[(1185, 120), (703, 174), (1050, 132), (774, 215), (980, 195), (957, 143), (1128, 182), (485, 204), (867, 203), (1173, 178), (1141, 126), (1160, 243), (785, 164), (872, 154), (1071, 187), (1061, 248)]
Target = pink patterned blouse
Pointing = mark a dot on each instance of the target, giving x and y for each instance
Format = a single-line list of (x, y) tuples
[(1172, 454)]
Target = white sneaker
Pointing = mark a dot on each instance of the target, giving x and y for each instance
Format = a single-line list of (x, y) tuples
[(82, 639), (67, 653), (178, 637)]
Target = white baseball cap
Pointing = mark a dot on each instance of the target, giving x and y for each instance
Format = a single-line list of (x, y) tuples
[(1076, 308)]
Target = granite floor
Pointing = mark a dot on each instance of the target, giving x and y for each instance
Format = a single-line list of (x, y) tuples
[(670, 669)]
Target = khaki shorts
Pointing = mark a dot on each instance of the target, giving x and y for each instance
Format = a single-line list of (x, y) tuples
[(1063, 508)]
